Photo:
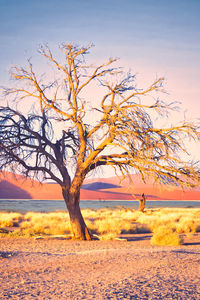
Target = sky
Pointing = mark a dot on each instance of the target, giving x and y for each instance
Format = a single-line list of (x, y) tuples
[(152, 37)]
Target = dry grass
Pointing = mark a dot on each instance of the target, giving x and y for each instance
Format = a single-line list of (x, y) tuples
[(32, 224), (182, 220), (166, 236), (9, 219), (108, 223)]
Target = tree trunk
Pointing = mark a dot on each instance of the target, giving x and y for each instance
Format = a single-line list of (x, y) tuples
[(142, 203), (79, 228)]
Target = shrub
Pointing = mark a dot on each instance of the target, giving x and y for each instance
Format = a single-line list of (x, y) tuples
[(166, 236), (9, 219)]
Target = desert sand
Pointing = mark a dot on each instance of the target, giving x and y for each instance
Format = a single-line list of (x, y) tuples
[(63, 269)]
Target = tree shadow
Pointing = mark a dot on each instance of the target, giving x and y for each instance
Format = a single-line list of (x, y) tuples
[(136, 237), (10, 254), (192, 244), (7, 254), (185, 251), (10, 191)]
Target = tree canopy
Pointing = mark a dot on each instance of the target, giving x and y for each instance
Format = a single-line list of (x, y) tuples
[(56, 137)]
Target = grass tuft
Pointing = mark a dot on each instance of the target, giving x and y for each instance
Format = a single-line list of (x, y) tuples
[(9, 219), (165, 236)]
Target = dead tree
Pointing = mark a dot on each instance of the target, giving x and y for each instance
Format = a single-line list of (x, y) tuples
[(142, 203), (55, 139)]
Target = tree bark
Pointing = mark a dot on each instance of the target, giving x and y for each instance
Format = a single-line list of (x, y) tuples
[(142, 203), (79, 228)]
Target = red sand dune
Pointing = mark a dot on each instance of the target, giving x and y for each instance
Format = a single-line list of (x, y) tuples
[(18, 187)]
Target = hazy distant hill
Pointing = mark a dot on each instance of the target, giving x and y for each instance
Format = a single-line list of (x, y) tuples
[(18, 187), (9, 190), (98, 185)]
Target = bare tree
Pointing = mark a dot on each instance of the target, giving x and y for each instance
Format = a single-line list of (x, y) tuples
[(123, 136), (142, 203)]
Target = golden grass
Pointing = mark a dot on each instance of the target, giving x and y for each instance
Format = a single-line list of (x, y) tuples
[(9, 219), (166, 236), (107, 223)]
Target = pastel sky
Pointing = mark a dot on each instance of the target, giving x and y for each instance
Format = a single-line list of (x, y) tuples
[(152, 37)]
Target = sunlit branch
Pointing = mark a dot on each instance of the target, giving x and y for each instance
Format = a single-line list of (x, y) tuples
[(125, 121)]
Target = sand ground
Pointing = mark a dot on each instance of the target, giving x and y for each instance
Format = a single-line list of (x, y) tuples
[(61, 269)]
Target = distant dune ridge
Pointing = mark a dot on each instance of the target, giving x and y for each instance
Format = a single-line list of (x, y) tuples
[(9, 190), (18, 187)]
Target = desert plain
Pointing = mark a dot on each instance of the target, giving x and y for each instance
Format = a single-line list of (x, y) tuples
[(121, 269), (151, 255)]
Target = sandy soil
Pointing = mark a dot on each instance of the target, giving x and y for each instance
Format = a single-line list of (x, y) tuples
[(61, 269)]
